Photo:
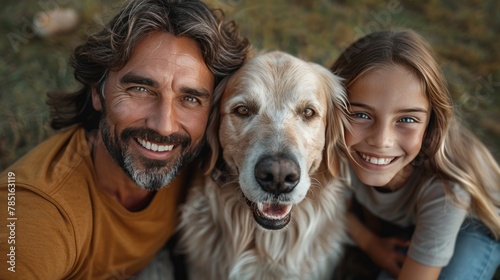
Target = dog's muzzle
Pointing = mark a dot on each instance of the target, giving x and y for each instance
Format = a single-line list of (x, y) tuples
[(276, 175)]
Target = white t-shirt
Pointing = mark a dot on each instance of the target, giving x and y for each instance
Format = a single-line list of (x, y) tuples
[(437, 219)]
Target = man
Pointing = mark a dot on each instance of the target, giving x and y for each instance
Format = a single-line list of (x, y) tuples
[(98, 200)]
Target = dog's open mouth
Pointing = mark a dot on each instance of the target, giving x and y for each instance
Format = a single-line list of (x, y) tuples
[(272, 216)]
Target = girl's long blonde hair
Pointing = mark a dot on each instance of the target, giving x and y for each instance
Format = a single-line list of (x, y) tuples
[(449, 149)]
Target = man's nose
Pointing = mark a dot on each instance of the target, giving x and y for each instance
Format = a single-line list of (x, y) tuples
[(163, 118)]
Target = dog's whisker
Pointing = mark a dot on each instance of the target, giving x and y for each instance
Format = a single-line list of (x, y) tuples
[(315, 183)]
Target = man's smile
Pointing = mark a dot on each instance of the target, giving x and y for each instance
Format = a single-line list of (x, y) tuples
[(153, 146)]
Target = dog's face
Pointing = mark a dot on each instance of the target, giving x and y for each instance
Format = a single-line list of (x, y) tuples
[(278, 121)]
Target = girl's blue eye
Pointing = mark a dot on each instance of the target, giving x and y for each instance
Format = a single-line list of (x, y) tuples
[(407, 120), (360, 116)]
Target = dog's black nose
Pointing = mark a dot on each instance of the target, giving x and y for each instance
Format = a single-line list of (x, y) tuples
[(277, 174)]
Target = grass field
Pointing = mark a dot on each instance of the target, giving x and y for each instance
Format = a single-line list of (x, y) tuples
[(464, 34)]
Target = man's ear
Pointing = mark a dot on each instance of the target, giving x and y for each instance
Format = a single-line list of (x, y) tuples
[(96, 99)]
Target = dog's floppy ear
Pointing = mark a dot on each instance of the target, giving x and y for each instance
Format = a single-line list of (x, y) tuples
[(333, 153), (212, 132)]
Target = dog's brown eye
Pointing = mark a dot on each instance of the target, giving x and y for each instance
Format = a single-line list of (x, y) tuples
[(242, 110), (308, 113)]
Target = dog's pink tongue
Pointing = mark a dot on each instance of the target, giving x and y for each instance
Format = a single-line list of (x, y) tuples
[(277, 211)]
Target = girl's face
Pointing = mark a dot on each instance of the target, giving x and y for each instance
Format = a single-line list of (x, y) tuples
[(390, 114)]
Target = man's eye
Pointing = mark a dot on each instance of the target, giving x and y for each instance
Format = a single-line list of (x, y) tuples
[(191, 99), (138, 89)]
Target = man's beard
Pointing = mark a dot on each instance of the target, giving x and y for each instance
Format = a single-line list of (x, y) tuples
[(148, 174)]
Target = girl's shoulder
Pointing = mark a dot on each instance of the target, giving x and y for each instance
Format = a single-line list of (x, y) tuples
[(435, 188)]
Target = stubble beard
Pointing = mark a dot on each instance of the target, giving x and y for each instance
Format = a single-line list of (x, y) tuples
[(147, 173)]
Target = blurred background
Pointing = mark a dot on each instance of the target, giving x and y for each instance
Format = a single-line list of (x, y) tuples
[(464, 34)]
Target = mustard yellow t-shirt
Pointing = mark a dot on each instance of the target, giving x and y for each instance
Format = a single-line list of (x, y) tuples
[(60, 226)]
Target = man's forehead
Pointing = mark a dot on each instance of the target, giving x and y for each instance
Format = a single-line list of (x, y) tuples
[(162, 45), (164, 49)]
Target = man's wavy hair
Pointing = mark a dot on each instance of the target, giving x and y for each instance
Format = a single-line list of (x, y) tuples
[(223, 50)]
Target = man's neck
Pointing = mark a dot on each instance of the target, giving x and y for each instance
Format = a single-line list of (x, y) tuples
[(113, 181)]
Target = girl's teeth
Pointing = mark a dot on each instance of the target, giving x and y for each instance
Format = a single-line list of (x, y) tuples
[(377, 161)]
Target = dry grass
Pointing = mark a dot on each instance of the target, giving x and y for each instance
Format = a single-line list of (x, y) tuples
[(464, 39)]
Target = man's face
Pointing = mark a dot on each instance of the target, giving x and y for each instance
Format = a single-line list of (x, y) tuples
[(155, 109)]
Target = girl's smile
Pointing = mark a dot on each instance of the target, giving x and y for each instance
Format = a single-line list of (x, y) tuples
[(376, 160)]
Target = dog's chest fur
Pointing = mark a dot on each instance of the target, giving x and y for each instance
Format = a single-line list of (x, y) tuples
[(222, 240)]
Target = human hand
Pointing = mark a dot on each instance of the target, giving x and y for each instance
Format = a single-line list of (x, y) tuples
[(385, 254)]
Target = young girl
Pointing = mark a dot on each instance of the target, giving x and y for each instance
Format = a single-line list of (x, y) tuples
[(417, 169)]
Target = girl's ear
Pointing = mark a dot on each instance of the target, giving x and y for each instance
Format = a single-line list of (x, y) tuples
[(96, 99)]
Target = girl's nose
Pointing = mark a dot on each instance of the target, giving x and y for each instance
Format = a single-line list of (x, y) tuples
[(381, 136)]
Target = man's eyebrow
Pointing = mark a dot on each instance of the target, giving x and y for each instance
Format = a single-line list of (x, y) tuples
[(131, 78), (199, 92)]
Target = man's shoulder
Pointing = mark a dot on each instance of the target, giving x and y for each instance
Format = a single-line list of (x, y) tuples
[(51, 200), (62, 159)]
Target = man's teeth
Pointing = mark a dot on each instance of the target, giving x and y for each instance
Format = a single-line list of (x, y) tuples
[(155, 147), (377, 161)]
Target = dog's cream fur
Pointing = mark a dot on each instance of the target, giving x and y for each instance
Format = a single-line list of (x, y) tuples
[(275, 104)]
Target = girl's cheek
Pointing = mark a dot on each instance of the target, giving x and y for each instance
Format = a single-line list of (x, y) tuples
[(351, 137), (356, 133)]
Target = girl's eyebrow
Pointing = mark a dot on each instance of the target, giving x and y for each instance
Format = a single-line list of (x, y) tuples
[(413, 110), (405, 110), (362, 105)]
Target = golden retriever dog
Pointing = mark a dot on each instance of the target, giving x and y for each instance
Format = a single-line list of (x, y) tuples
[(272, 207)]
